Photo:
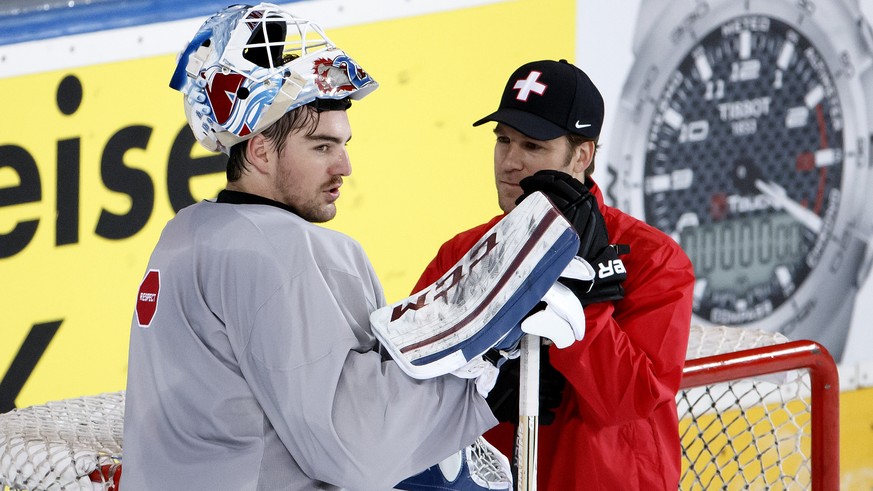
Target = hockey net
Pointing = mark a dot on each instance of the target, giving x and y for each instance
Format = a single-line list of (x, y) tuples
[(73, 444), (756, 411)]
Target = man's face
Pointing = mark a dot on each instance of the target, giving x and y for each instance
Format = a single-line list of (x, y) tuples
[(517, 156), (310, 168)]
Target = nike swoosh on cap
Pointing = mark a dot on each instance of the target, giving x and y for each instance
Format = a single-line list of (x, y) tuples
[(580, 126)]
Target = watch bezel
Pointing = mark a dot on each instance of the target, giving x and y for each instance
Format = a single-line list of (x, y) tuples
[(833, 31)]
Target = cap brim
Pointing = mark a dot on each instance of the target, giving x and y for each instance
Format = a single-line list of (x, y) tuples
[(531, 125)]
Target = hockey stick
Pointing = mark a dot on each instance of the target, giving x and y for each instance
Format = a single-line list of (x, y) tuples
[(561, 322), (527, 432)]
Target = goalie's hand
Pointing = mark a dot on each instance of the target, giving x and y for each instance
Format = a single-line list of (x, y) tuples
[(579, 207), (559, 317), (483, 370), (503, 398)]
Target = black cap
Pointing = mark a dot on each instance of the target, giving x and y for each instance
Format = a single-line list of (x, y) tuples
[(547, 99)]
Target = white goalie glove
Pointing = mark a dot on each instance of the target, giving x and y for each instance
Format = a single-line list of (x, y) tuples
[(480, 303), (562, 321), (484, 371)]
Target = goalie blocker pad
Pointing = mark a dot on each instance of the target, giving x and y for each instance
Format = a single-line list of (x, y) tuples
[(484, 297)]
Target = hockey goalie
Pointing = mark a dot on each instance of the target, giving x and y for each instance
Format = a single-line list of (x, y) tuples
[(471, 319)]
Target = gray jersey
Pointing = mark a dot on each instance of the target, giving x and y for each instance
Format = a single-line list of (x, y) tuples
[(255, 368)]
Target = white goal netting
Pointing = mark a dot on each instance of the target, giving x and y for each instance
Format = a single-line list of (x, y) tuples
[(740, 430), (73, 444), (746, 412)]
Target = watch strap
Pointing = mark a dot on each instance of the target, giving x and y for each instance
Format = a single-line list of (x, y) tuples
[(651, 15), (854, 7), (835, 327)]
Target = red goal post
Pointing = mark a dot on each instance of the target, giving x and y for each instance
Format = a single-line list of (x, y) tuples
[(758, 412)]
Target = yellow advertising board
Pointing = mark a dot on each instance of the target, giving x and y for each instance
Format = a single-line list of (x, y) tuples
[(94, 160)]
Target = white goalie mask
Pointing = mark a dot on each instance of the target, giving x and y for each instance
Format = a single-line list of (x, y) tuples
[(249, 65)]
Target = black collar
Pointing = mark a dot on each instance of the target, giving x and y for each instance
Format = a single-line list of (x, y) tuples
[(241, 198)]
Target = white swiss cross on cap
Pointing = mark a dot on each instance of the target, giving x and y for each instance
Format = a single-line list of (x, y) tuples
[(528, 85)]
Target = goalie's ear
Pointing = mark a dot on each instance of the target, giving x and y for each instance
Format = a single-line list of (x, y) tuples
[(258, 154)]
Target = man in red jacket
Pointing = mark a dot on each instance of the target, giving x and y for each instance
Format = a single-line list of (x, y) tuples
[(608, 413)]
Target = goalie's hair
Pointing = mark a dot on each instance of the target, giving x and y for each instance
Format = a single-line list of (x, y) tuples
[(304, 118)]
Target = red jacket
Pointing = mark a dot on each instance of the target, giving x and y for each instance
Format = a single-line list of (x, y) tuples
[(617, 427)]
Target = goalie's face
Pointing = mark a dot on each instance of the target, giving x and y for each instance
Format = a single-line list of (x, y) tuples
[(307, 173), (312, 167), (517, 156)]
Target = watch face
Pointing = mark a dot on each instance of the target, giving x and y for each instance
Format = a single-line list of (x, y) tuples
[(744, 163)]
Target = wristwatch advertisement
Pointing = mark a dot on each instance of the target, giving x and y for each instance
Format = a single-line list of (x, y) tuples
[(744, 132)]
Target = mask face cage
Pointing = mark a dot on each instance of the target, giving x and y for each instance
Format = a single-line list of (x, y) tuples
[(269, 38), (247, 66)]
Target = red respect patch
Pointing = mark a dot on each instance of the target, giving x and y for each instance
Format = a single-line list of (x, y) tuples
[(147, 298)]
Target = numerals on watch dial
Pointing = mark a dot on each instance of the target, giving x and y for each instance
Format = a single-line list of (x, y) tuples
[(744, 164)]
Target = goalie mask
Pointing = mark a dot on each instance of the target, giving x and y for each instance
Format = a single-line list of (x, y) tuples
[(249, 65)]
